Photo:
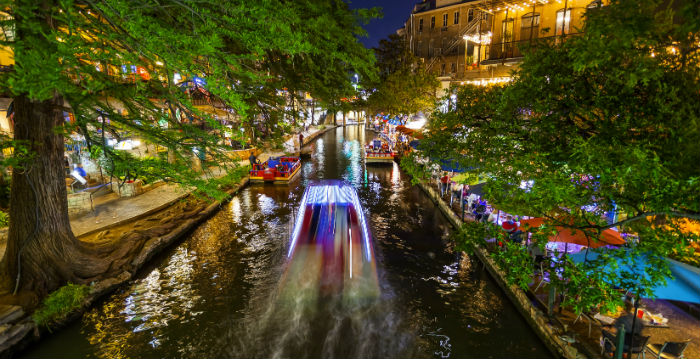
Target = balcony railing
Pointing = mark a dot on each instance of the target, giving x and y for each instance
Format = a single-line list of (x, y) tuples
[(516, 49)]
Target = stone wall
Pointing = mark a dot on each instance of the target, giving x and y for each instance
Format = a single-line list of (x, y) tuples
[(79, 203), (547, 331), (131, 189)]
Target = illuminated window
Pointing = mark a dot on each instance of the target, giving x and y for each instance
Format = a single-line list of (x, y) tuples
[(8, 30), (595, 4), (563, 21)]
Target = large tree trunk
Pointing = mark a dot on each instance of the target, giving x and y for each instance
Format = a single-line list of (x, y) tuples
[(40, 235)]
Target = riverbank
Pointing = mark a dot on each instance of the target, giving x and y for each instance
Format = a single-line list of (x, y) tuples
[(153, 221), (550, 332), (565, 331)]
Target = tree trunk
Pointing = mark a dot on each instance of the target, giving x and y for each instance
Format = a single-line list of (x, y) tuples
[(40, 235)]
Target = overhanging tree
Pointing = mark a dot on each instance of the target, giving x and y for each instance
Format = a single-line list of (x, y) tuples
[(606, 120), (69, 56), (404, 85)]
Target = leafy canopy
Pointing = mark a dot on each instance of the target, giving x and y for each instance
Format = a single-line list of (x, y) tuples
[(404, 85), (606, 120), (86, 52)]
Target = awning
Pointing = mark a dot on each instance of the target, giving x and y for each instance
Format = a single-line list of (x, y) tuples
[(576, 236)]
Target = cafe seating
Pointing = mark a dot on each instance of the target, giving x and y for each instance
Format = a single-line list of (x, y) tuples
[(638, 347), (668, 350)]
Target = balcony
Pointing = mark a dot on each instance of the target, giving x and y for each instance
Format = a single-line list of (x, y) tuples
[(513, 51)]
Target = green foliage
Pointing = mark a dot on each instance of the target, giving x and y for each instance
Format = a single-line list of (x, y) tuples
[(216, 188), (4, 219), (404, 85), (247, 51), (415, 166), (60, 303), (609, 119)]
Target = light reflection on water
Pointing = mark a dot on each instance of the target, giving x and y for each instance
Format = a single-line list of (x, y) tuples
[(214, 295)]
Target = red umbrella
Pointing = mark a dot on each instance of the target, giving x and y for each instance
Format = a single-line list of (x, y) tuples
[(576, 236)]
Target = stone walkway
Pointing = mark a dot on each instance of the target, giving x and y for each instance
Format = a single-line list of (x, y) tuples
[(110, 210)]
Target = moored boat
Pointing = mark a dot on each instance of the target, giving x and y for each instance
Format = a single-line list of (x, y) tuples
[(276, 170), (379, 151)]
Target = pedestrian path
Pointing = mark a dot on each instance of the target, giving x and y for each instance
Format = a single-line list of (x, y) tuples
[(110, 210)]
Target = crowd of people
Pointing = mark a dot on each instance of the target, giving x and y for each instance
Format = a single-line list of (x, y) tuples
[(476, 207)]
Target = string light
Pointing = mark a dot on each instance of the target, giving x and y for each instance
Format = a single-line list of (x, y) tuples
[(488, 82)]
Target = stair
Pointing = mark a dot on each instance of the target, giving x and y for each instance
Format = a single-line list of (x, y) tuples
[(472, 25)]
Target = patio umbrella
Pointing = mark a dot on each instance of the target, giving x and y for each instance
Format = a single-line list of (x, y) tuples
[(684, 286), (568, 235)]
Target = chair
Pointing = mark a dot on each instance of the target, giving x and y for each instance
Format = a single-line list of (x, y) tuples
[(610, 340), (668, 350)]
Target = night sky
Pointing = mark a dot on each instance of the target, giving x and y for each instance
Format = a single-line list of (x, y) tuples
[(396, 12)]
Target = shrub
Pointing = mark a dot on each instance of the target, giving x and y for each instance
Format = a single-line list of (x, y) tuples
[(60, 303), (4, 219)]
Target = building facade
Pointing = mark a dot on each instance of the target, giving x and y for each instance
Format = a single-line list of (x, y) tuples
[(481, 41)]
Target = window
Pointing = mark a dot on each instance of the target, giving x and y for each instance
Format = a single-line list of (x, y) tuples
[(456, 18), (507, 30), (454, 68), (420, 25), (7, 33), (595, 4), (470, 15), (442, 70), (432, 22), (444, 20), (563, 21), (419, 49), (530, 26)]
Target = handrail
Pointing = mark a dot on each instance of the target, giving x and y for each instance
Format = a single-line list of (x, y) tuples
[(457, 40)]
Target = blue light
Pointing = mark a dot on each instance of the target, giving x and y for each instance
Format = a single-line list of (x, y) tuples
[(333, 193), (199, 81)]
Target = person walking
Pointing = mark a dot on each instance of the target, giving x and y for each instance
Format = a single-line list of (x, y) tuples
[(301, 141), (253, 160), (456, 192), (444, 181)]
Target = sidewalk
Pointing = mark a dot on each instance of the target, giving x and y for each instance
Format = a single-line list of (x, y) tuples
[(110, 210)]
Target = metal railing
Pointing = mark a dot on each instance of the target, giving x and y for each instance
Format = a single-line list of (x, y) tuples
[(515, 49), (456, 41)]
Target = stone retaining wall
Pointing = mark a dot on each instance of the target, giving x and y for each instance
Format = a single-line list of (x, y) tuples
[(79, 203), (539, 322), (18, 332)]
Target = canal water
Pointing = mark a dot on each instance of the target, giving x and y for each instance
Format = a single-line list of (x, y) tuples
[(217, 294)]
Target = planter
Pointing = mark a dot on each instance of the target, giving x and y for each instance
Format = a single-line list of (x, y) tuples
[(131, 189), (79, 203)]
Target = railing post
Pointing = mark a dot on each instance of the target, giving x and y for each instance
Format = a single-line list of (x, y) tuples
[(620, 345)]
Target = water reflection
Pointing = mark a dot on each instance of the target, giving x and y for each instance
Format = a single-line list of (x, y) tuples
[(215, 294)]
